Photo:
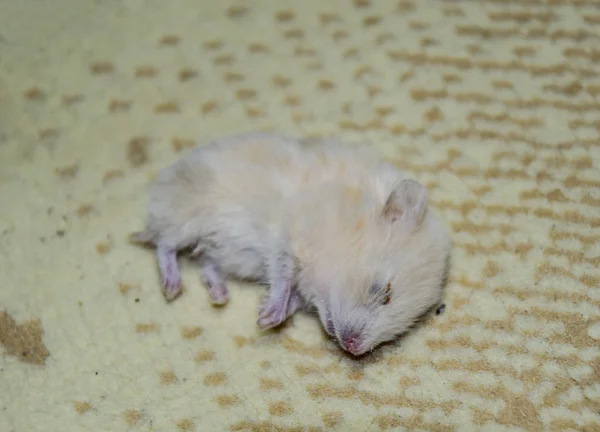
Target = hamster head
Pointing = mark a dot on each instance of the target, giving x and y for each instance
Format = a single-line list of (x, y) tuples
[(383, 268)]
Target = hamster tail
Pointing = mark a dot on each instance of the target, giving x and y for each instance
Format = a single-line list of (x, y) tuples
[(146, 238)]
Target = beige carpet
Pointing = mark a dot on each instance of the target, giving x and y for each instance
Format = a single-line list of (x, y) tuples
[(492, 104)]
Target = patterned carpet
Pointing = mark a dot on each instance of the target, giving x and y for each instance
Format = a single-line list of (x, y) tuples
[(492, 104)]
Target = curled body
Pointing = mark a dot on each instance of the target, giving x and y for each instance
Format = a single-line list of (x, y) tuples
[(322, 223)]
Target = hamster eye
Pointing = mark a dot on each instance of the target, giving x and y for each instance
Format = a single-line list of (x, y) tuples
[(376, 288), (388, 294), (382, 291)]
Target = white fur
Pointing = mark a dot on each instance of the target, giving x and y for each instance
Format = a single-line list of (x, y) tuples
[(239, 198)]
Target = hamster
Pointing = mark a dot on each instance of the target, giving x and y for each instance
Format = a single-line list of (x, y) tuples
[(324, 224)]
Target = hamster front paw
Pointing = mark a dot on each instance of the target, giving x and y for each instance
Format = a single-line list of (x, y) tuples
[(272, 313), (295, 302)]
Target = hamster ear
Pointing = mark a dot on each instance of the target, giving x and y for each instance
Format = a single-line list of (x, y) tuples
[(407, 204)]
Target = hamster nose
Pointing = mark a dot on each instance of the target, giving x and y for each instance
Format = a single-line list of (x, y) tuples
[(351, 342)]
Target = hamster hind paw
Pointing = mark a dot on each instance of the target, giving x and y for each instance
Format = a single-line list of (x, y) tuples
[(171, 286)]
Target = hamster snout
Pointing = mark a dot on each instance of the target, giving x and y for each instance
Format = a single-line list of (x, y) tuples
[(351, 341), (350, 335)]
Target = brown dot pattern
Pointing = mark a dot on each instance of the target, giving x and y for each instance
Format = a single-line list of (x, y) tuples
[(492, 104), (168, 377), (81, 407), (185, 425), (23, 341), (204, 356), (191, 332), (132, 417)]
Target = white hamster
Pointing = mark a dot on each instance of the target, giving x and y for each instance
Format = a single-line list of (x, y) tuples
[(323, 223)]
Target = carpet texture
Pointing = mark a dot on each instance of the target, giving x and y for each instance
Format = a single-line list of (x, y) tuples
[(492, 104)]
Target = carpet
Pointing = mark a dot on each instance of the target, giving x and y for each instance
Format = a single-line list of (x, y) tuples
[(492, 104)]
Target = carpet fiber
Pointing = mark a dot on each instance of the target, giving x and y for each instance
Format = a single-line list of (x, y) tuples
[(492, 104)]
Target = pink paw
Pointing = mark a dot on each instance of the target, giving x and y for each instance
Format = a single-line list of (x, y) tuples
[(271, 315), (172, 286), (218, 293)]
